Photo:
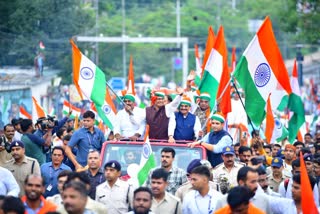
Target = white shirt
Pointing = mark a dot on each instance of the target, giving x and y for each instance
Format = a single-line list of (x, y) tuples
[(173, 106), (288, 193), (17, 135), (115, 197), (193, 202), (222, 171), (127, 125), (173, 123), (282, 205)]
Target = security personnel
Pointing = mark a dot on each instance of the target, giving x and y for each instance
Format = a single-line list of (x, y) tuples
[(21, 166), (116, 194), (228, 170), (187, 186)]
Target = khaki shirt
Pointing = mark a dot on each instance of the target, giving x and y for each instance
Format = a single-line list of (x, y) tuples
[(169, 204), (21, 171), (115, 198), (91, 205), (221, 171), (273, 184), (187, 187)]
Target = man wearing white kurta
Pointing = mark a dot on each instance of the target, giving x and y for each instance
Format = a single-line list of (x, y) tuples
[(130, 121)]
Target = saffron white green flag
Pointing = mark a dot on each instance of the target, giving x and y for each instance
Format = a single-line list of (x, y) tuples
[(147, 162), (261, 71), (297, 116), (67, 107), (214, 68), (91, 82)]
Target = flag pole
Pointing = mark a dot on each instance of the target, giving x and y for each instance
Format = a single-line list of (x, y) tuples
[(234, 85), (215, 105), (123, 103)]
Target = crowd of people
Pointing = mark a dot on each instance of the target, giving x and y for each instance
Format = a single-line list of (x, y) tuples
[(49, 167)]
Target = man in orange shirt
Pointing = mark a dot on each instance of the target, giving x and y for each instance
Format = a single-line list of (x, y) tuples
[(33, 201), (238, 202)]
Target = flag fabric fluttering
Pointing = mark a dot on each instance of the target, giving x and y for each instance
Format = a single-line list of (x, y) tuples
[(209, 45), (23, 113), (90, 81), (147, 161), (233, 59), (108, 111), (90, 78), (261, 71), (67, 107), (275, 130), (307, 200), (130, 86), (215, 70), (295, 105), (198, 72), (38, 108)]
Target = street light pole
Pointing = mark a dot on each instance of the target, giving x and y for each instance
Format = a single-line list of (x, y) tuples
[(124, 63), (300, 59)]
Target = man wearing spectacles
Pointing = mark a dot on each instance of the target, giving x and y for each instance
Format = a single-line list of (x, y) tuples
[(184, 125)]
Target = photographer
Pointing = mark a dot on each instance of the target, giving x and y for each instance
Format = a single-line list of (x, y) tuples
[(34, 144), (5, 141)]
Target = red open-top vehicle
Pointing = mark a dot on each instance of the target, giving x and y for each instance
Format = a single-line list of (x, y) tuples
[(118, 150)]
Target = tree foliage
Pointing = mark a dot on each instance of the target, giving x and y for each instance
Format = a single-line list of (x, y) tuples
[(24, 23)]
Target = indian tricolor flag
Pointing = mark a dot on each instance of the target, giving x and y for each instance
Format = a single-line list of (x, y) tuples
[(209, 45), (91, 82), (147, 161), (88, 78), (38, 108), (130, 87), (197, 79), (261, 71), (109, 111), (214, 69), (24, 113), (297, 116), (67, 107), (274, 131)]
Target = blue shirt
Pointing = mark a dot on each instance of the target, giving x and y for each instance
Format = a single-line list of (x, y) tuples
[(8, 184), (50, 176), (86, 140)]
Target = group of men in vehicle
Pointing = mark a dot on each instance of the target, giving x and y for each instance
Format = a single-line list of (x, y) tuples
[(73, 179)]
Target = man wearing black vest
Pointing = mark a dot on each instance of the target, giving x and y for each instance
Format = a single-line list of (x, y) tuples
[(216, 140)]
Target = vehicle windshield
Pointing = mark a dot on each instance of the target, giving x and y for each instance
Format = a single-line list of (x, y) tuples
[(127, 154)]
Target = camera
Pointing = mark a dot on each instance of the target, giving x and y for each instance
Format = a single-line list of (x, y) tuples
[(5, 144), (48, 122), (257, 160)]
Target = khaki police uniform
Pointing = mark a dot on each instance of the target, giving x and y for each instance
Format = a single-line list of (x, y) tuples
[(221, 171), (115, 198), (169, 205), (21, 170), (273, 184)]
